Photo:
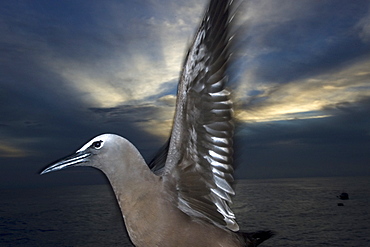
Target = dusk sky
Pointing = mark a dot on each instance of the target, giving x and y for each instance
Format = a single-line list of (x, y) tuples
[(71, 70)]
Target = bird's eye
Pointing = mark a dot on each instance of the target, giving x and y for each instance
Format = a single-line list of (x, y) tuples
[(97, 144)]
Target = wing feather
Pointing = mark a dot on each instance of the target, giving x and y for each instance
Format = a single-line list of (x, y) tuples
[(199, 161)]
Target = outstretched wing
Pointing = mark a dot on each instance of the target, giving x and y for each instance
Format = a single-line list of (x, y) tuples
[(199, 161)]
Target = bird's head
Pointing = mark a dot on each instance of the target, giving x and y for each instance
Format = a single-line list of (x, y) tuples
[(90, 154)]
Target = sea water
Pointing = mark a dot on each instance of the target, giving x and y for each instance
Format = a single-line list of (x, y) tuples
[(302, 212)]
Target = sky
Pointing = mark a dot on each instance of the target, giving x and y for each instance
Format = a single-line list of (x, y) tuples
[(71, 70)]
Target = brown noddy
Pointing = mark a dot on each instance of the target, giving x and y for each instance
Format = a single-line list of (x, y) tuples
[(182, 197)]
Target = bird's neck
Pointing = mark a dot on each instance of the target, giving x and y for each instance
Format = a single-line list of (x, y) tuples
[(131, 179), (136, 188)]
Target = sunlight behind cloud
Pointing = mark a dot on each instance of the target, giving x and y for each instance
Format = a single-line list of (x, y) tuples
[(135, 75), (308, 98), (134, 79), (159, 128), (98, 92)]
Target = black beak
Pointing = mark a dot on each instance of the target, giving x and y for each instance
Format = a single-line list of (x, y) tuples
[(73, 160)]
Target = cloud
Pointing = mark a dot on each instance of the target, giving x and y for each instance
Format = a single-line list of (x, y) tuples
[(168, 100), (152, 119), (363, 27), (307, 98), (290, 40), (299, 58), (141, 59)]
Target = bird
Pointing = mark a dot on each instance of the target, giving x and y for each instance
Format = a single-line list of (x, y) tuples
[(183, 196)]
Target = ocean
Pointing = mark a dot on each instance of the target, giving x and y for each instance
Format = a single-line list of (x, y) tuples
[(302, 212)]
